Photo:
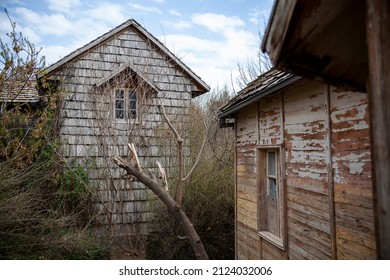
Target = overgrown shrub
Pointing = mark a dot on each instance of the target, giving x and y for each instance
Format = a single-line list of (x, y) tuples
[(39, 222), (44, 204)]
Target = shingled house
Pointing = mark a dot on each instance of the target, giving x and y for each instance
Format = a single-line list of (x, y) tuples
[(111, 88), (303, 182)]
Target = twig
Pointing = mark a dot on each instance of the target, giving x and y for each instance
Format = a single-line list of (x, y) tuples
[(206, 128)]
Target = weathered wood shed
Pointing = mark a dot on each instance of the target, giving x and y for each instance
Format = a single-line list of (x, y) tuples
[(345, 43), (111, 88), (303, 185)]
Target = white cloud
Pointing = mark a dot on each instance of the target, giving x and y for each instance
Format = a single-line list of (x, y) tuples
[(62, 5), (144, 9), (5, 25), (178, 25), (259, 16), (215, 59), (54, 24), (32, 36), (217, 22), (54, 53), (107, 12)]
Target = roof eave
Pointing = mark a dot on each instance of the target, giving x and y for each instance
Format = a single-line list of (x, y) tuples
[(234, 108)]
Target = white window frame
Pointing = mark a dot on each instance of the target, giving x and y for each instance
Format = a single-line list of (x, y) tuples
[(263, 180)]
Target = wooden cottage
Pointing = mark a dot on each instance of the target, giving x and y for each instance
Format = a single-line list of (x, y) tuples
[(344, 43), (111, 88), (303, 185)]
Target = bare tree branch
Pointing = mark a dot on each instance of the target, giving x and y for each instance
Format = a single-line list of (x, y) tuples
[(206, 131), (163, 176), (163, 195)]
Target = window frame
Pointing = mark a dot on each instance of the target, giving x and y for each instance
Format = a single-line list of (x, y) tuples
[(263, 176), (126, 106)]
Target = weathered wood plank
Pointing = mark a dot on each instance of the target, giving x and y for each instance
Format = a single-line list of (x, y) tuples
[(351, 250), (308, 184), (322, 239), (366, 239), (310, 220), (309, 208), (270, 252), (310, 245)]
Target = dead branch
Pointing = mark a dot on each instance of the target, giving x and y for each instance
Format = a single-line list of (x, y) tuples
[(181, 177), (206, 130), (177, 135), (164, 196), (179, 140), (163, 175)]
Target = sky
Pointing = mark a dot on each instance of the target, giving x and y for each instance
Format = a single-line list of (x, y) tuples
[(209, 36)]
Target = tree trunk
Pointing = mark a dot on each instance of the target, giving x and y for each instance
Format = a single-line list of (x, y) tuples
[(159, 190)]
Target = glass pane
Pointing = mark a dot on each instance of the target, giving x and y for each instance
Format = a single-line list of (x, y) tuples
[(119, 94), (132, 104), (132, 95), (119, 104), (272, 187), (119, 114), (271, 163)]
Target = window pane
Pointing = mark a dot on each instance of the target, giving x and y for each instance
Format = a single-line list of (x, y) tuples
[(119, 104), (119, 114), (272, 187), (119, 94), (271, 163), (132, 95), (132, 104)]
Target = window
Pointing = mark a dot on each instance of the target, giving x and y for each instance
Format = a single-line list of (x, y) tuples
[(125, 104), (271, 195)]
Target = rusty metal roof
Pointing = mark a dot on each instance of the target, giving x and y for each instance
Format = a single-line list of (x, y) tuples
[(19, 92), (267, 83)]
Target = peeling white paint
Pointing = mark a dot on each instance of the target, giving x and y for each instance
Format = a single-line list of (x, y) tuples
[(356, 167)]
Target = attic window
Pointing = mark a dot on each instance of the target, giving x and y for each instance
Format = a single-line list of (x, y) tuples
[(125, 104)]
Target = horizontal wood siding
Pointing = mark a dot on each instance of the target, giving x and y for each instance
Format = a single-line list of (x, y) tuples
[(270, 121), (323, 131), (270, 130), (308, 210), (352, 175), (246, 187)]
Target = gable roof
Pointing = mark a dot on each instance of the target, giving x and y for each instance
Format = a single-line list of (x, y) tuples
[(267, 83), (131, 23), (19, 92)]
